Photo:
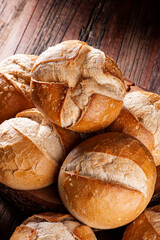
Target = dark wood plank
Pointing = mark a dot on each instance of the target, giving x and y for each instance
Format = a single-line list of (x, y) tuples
[(128, 31), (141, 43), (14, 18), (9, 219)]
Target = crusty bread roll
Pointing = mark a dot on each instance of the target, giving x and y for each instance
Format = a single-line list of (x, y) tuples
[(140, 117), (77, 86), (15, 75), (51, 226), (32, 150), (107, 180), (146, 226)]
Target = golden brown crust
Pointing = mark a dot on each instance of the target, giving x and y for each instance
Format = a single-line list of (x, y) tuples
[(140, 118), (96, 115), (11, 99), (127, 123), (15, 74), (48, 96), (71, 80), (23, 232), (94, 190), (146, 226), (30, 230), (23, 165), (32, 150)]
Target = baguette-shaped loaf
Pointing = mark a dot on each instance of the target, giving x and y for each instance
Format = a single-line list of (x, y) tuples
[(77, 86), (140, 117), (52, 226), (32, 150), (146, 226), (15, 75), (107, 180)]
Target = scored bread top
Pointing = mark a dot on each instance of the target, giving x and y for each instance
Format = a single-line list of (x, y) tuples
[(17, 69), (32, 150), (113, 157), (145, 107), (42, 133), (110, 168), (107, 180), (84, 71), (53, 226)]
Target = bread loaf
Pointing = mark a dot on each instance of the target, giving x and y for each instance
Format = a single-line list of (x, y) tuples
[(50, 226), (107, 180), (15, 75), (146, 226), (32, 150), (140, 117), (77, 86)]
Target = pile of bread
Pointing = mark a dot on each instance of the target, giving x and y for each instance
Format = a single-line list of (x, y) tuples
[(106, 181)]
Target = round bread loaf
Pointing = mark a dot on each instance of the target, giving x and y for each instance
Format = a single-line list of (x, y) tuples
[(140, 117), (108, 180), (52, 226), (146, 226), (32, 150), (15, 75), (77, 86)]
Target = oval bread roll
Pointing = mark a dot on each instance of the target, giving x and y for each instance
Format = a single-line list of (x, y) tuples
[(77, 86), (52, 226), (140, 117), (32, 150), (146, 226), (108, 180), (15, 75)]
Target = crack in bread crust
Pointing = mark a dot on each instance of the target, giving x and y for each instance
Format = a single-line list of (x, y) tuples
[(84, 70), (145, 107), (17, 69), (109, 168), (42, 135)]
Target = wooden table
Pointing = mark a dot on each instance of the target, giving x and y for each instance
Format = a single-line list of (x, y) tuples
[(128, 31)]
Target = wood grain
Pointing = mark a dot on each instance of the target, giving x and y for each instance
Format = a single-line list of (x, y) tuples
[(128, 31)]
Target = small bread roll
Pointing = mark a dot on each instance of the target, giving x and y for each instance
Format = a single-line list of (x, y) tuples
[(108, 180), (140, 117), (146, 226), (51, 226), (77, 86), (15, 75), (32, 150)]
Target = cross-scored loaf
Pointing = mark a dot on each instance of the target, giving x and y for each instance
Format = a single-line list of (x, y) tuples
[(108, 180), (140, 117), (32, 150), (51, 226), (77, 86), (146, 226)]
